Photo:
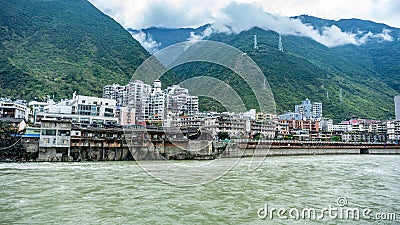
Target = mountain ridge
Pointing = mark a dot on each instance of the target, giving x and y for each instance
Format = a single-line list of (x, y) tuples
[(58, 47), (349, 79)]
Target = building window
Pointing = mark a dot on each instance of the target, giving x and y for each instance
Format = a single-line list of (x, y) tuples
[(63, 133), (49, 132)]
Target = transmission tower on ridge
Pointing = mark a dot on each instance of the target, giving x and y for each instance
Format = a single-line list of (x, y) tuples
[(255, 42), (280, 46)]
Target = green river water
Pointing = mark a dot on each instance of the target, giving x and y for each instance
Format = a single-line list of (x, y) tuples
[(145, 193)]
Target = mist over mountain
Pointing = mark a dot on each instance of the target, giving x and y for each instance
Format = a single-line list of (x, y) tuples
[(350, 65)]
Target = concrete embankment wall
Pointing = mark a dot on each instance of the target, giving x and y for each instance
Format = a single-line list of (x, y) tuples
[(287, 152), (233, 150), (182, 150), (198, 150), (384, 151)]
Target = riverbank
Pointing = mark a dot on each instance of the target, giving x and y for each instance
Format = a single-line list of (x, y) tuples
[(201, 150)]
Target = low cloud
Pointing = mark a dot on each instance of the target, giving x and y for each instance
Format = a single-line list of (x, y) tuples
[(239, 17), (146, 41), (196, 37), (234, 16)]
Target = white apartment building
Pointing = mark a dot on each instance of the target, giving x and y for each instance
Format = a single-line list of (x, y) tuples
[(155, 107), (83, 119), (40, 106), (115, 92), (192, 105), (137, 98), (81, 109), (151, 102), (180, 102), (326, 124), (397, 107), (309, 111), (393, 130), (92, 106), (13, 109), (342, 128)]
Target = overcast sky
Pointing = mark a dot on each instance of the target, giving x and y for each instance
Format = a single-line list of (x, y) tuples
[(140, 14)]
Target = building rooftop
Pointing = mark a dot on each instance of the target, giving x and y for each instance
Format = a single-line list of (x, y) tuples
[(12, 120)]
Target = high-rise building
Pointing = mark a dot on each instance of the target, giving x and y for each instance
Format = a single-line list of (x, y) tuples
[(116, 92), (138, 97), (157, 103), (309, 111), (192, 103), (397, 107), (179, 101), (151, 102)]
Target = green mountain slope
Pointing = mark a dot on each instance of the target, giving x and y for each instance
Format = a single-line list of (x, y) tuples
[(349, 80), (57, 47)]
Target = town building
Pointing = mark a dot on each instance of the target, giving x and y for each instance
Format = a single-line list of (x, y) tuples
[(151, 103), (137, 94), (39, 107), (393, 131), (310, 125), (82, 109), (326, 125), (240, 125), (155, 106), (126, 115), (340, 128), (397, 107), (290, 116), (309, 111), (54, 143), (116, 92), (14, 109)]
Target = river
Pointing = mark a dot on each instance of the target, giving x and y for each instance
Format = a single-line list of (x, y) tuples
[(137, 193)]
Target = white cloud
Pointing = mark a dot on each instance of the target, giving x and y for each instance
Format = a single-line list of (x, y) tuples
[(238, 15), (242, 16), (140, 14), (196, 37), (146, 41)]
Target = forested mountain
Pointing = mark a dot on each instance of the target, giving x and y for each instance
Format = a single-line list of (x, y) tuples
[(350, 80), (58, 47)]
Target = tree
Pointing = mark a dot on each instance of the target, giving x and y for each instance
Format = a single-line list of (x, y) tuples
[(223, 135), (10, 145), (257, 136), (336, 138)]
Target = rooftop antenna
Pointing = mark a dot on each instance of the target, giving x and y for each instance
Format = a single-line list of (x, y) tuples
[(255, 42), (280, 46)]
